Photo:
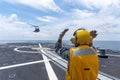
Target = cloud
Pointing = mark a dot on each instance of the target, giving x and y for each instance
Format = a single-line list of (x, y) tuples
[(13, 30), (47, 19), (42, 5), (77, 13), (111, 10), (12, 18), (94, 4), (19, 30), (99, 3), (105, 20)]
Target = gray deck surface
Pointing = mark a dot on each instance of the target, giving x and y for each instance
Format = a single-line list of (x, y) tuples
[(30, 62)]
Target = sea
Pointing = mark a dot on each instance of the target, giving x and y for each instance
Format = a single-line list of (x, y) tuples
[(112, 45)]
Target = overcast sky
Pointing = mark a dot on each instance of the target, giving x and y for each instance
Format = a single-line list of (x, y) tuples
[(53, 16)]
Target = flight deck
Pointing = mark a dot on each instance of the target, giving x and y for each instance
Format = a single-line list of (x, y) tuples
[(35, 61)]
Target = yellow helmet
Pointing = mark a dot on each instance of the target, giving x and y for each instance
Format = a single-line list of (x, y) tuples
[(82, 37)]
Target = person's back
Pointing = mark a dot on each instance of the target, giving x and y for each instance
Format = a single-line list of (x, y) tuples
[(83, 63), (83, 59)]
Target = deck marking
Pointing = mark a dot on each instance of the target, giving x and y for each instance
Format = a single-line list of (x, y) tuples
[(25, 64), (50, 71), (113, 55), (22, 64), (101, 77), (17, 49)]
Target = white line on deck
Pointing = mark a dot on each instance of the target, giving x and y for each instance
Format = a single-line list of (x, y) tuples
[(22, 64), (17, 49), (50, 71), (113, 55)]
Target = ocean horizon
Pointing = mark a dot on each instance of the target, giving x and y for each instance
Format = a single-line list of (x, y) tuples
[(113, 45)]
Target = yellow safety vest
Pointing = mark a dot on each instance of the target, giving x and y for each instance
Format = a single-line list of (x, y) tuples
[(83, 64)]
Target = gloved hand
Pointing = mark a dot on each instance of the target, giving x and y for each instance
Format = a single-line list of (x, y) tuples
[(93, 34)]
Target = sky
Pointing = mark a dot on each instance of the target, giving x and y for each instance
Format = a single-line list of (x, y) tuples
[(53, 16)]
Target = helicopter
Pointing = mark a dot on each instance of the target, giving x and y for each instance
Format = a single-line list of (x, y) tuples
[(36, 28)]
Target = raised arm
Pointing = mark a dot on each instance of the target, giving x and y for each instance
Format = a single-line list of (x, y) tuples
[(58, 44), (62, 35)]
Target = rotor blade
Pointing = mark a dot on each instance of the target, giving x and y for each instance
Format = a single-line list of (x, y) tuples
[(32, 25)]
